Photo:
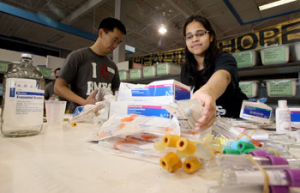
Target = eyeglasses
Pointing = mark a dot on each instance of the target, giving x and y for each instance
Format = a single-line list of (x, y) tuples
[(198, 34), (115, 40)]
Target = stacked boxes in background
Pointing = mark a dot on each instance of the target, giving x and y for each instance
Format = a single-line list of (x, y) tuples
[(250, 88), (246, 58), (281, 88), (149, 71), (135, 73), (124, 75), (275, 55), (168, 69)]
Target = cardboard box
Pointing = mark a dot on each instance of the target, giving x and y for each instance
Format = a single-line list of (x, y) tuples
[(162, 92)]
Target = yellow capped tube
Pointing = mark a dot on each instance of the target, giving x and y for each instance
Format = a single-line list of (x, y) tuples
[(74, 124), (170, 140), (186, 146), (191, 164), (170, 162)]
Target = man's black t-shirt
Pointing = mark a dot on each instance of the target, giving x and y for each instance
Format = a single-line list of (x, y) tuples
[(230, 102)]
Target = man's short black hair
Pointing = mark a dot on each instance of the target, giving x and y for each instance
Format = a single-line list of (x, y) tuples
[(108, 24)]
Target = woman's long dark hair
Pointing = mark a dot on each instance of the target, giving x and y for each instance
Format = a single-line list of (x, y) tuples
[(189, 69)]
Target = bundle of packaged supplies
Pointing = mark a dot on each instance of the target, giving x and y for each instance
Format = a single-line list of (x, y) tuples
[(156, 123)]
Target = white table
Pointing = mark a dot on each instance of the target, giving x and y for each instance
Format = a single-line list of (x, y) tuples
[(59, 160)]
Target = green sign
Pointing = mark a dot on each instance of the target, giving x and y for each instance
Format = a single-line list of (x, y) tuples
[(275, 55), (281, 89), (246, 87), (161, 69), (149, 71), (123, 75), (46, 72), (243, 59), (135, 73), (3, 67)]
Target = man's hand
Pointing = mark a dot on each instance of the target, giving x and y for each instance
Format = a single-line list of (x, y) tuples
[(92, 98)]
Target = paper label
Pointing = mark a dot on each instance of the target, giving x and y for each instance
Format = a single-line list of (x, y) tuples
[(257, 112), (3, 67), (246, 88), (282, 88), (260, 136), (161, 69), (147, 110), (135, 73), (276, 177), (243, 59), (149, 71), (111, 70), (274, 55), (23, 103)]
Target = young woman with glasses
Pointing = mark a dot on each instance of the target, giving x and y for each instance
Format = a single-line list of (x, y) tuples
[(212, 74)]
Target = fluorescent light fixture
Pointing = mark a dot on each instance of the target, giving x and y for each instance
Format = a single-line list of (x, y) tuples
[(162, 30), (129, 48), (275, 4)]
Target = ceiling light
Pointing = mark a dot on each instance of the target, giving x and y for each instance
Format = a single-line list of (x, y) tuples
[(162, 30), (275, 4)]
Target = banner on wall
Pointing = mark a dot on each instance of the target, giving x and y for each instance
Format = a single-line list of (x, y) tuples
[(284, 33), (174, 56)]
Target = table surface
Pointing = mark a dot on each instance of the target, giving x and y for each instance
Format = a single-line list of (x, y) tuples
[(59, 160)]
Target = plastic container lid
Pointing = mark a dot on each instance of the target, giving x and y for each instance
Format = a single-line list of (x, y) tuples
[(282, 104), (277, 160), (28, 56), (279, 189), (294, 177), (260, 153)]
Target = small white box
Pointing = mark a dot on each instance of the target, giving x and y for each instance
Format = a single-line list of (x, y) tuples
[(164, 92), (124, 75), (256, 112), (168, 69), (149, 71), (281, 88), (275, 55), (250, 88), (135, 73), (246, 58)]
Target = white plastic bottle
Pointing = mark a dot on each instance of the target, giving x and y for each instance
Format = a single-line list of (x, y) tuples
[(23, 98), (283, 117)]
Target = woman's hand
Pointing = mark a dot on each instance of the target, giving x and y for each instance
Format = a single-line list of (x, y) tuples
[(209, 111)]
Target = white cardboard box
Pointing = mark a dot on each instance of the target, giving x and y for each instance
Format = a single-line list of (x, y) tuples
[(163, 92)]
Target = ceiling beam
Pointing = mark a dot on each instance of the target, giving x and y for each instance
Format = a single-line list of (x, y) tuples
[(85, 8)]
